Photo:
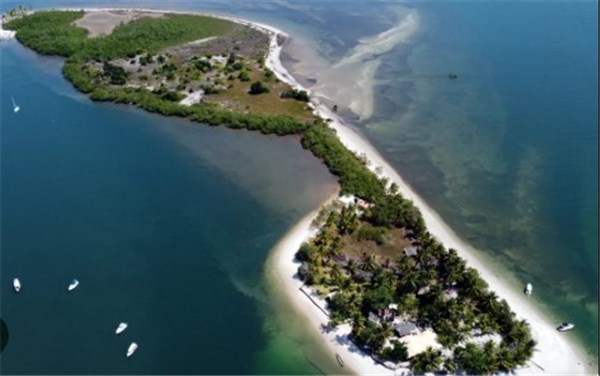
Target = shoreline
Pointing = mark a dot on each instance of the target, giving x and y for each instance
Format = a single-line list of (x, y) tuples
[(554, 349), (281, 269), (556, 353)]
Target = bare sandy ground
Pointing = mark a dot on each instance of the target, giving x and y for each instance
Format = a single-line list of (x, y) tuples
[(103, 22), (6, 34)]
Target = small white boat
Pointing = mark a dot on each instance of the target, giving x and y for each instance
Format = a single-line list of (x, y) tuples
[(131, 349), (73, 285), (15, 107), (565, 326), (121, 328), (17, 284), (528, 289)]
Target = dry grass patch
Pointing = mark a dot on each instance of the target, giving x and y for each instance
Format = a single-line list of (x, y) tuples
[(393, 246), (237, 98), (99, 23)]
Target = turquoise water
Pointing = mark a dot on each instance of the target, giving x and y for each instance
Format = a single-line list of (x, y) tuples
[(155, 217), (507, 153)]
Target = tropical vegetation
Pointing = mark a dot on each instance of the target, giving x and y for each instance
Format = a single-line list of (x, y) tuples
[(357, 257), (432, 287)]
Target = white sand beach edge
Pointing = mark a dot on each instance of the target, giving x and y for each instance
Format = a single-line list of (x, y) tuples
[(556, 353), (282, 269), (6, 34)]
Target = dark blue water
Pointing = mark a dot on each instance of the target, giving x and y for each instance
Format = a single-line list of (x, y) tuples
[(507, 153), (159, 233)]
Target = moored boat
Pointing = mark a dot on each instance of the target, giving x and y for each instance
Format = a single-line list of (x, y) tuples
[(17, 284), (121, 328), (73, 285), (15, 107), (131, 349), (565, 326), (528, 289)]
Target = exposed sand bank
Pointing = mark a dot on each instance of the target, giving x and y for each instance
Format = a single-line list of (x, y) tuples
[(557, 353), (6, 34), (103, 22), (351, 80)]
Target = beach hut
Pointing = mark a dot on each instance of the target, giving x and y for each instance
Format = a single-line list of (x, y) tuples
[(363, 204), (347, 200), (411, 251), (405, 328)]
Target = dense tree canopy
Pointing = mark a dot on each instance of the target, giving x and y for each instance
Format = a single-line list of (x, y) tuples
[(360, 285), (354, 177)]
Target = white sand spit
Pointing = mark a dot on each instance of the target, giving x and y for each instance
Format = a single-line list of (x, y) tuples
[(556, 353), (103, 22)]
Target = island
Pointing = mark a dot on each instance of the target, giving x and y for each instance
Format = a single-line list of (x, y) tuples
[(370, 262)]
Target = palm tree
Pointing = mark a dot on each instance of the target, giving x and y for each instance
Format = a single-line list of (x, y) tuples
[(524, 351), (336, 246), (337, 276), (490, 354), (425, 239), (399, 352), (506, 360), (424, 257), (387, 330), (348, 220), (450, 365), (451, 266), (519, 332), (352, 267), (471, 359), (472, 284), (429, 360), (403, 264), (368, 262), (322, 239), (487, 324), (490, 303)]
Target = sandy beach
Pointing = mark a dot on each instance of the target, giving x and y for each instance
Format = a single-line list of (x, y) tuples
[(556, 352), (6, 34), (281, 269)]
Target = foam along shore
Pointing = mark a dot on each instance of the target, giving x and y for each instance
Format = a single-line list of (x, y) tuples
[(6, 34), (556, 353)]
